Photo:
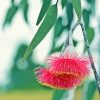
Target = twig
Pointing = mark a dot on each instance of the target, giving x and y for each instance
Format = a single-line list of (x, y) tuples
[(57, 2), (69, 38), (90, 57)]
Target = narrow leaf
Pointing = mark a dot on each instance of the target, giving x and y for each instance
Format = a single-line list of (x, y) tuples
[(45, 6), (77, 7), (90, 89), (58, 28), (63, 3), (56, 49), (69, 11), (25, 12), (44, 28), (90, 34), (24, 6), (75, 42), (92, 2), (58, 94), (86, 17), (12, 1), (10, 15)]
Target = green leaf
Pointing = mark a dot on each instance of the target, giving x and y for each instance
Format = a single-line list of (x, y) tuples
[(10, 15), (12, 1), (25, 12), (25, 7), (92, 5), (69, 11), (58, 94), (92, 2), (56, 49), (86, 16), (77, 7), (74, 42), (58, 28), (44, 28), (45, 6), (90, 34), (90, 90), (63, 3)]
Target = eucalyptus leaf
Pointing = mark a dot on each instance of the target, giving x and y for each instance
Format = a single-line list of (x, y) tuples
[(25, 12), (10, 15), (92, 5), (75, 42), (45, 6), (12, 1), (77, 7), (86, 17), (90, 88), (58, 28), (90, 34), (92, 2), (56, 49), (64, 3), (44, 28), (69, 11), (25, 8), (58, 94)]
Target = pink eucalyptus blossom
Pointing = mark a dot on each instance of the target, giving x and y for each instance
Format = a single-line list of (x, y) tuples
[(62, 81), (70, 63), (65, 70)]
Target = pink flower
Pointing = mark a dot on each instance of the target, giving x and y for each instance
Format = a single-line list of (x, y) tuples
[(62, 81), (65, 70), (70, 64)]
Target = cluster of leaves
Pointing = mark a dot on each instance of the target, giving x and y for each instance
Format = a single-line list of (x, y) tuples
[(13, 9), (49, 17)]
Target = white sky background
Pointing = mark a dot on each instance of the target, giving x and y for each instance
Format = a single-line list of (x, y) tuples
[(19, 32)]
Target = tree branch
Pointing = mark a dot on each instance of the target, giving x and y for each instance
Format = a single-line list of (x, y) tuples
[(69, 42), (90, 57), (57, 2), (69, 38)]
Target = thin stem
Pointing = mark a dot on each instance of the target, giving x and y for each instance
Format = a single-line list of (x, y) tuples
[(57, 2), (98, 46), (69, 38), (90, 57)]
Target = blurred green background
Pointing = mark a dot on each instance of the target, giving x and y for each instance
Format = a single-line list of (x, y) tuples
[(18, 20)]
